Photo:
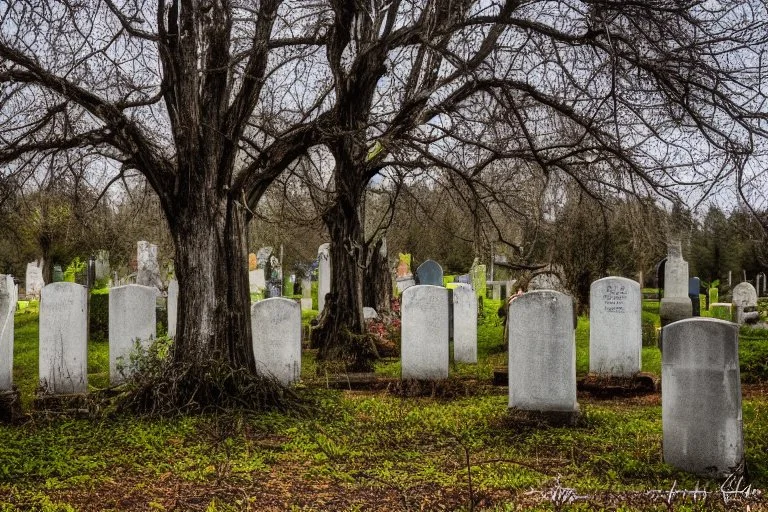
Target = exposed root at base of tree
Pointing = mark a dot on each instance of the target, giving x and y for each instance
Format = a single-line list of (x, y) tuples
[(356, 352), (178, 388)]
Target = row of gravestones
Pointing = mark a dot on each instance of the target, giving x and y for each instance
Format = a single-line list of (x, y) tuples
[(63, 333), (701, 402)]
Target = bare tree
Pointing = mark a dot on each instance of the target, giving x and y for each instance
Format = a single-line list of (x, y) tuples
[(201, 98)]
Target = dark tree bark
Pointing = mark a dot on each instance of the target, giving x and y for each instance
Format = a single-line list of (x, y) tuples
[(378, 279)]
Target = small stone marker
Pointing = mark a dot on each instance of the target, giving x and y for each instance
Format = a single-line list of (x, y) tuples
[(276, 327), (132, 316), (306, 289), (430, 272), (370, 313), (744, 299), (323, 274), (34, 282), (477, 274), (424, 347), (63, 358), (148, 273), (7, 310), (615, 327), (542, 353), (256, 281), (173, 307), (701, 399), (464, 324), (676, 304)]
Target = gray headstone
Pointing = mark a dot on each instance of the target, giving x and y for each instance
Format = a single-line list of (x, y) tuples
[(676, 304), (306, 289), (744, 299), (370, 313), (7, 310), (306, 304), (58, 275), (34, 282), (276, 326), (430, 272), (256, 281), (63, 358), (424, 347), (323, 274), (173, 307), (542, 352), (496, 291), (403, 283), (464, 324), (148, 270), (132, 316), (101, 269), (615, 327), (701, 402)]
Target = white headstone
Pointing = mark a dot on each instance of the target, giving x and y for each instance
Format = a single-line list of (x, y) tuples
[(132, 317), (276, 327), (424, 346), (7, 310), (464, 324), (34, 282), (701, 401), (675, 304), (370, 313), (615, 327), (148, 272), (744, 295), (542, 352), (63, 358), (323, 274), (256, 280), (173, 307)]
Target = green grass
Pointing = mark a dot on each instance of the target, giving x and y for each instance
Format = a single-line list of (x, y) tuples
[(357, 450)]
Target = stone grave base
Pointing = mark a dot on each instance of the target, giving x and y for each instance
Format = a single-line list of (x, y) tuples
[(10, 406), (673, 309), (553, 418), (75, 405), (642, 383)]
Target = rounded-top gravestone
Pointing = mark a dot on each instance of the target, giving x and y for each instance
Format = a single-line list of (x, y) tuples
[(430, 272), (744, 295), (615, 327), (424, 346), (542, 353), (701, 399)]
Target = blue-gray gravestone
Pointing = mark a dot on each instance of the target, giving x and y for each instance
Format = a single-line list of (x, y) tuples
[(430, 272), (694, 286)]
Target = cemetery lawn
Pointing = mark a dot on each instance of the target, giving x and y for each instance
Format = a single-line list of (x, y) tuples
[(368, 450)]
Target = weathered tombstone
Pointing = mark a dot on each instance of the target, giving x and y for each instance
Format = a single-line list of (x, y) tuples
[(370, 313), (256, 281), (744, 299), (477, 275), (57, 275), (34, 282), (132, 316), (101, 268), (430, 272), (542, 354), (276, 327), (615, 327), (323, 274), (675, 304), (148, 269), (694, 287), (173, 307), (424, 347), (701, 402), (464, 324), (495, 290), (7, 310), (546, 281), (63, 357), (306, 294)]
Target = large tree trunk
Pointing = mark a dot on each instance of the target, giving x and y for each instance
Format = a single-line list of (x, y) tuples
[(340, 334), (377, 287), (214, 300)]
